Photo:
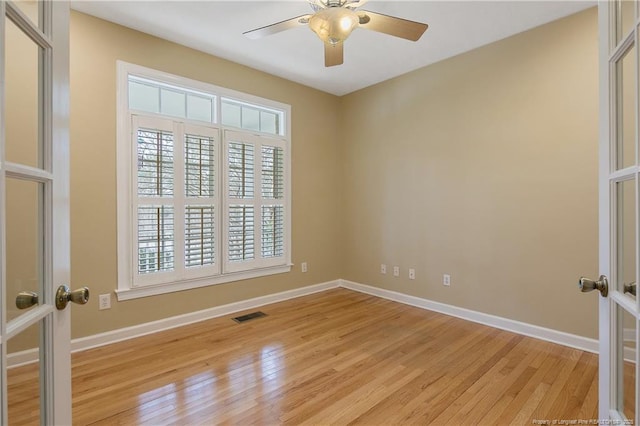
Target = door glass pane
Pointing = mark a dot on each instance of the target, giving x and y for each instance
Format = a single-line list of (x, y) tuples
[(625, 104), (24, 244), (32, 9), (23, 377), (23, 125), (626, 235), (626, 368), (625, 17)]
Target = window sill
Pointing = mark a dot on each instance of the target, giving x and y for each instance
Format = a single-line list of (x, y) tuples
[(153, 290)]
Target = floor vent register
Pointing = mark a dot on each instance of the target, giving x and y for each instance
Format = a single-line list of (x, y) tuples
[(249, 317)]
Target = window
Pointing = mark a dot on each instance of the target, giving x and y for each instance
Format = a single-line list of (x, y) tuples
[(203, 186)]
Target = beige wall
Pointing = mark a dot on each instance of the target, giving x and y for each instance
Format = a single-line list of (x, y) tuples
[(483, 166), (95, 47)]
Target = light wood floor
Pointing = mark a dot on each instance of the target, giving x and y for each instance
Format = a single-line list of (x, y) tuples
[(335, 357)]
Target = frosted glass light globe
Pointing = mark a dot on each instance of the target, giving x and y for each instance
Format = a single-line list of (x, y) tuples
[(334, 24)]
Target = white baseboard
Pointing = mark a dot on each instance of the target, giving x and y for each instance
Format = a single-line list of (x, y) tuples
[(18, 359), (101, 339), (121, 334), (89, 342), (542, 333)]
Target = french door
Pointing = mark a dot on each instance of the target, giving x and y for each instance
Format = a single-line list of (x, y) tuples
[(35, 383), (618, 212)]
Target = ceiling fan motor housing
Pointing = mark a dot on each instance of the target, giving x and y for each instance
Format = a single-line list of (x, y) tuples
[(317, 5)]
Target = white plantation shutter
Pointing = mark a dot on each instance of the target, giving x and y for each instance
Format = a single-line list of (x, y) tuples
[(241, 246), (241, 190), (175, 219), (272, 231), (272, 192), (199, 203), (241, 166), (201, 200), (256, 203), (199, 238), (155, 163), (200, 159), (155, 239), (154, 219), (272, 172)]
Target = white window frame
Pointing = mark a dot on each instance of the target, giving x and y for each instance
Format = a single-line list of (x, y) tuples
[(132, 285)]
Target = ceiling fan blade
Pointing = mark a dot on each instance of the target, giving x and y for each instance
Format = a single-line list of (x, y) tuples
[(403, 28), (333, 54), (278, 27)]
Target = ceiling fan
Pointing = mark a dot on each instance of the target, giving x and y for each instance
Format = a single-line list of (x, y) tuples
[(334, 20)]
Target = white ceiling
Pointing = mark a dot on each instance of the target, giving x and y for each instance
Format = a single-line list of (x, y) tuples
[(216, 27)]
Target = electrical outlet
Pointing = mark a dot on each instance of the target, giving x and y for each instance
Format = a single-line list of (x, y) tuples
[(396, 271), (383, 268), (446, 279), (304, 267), (104, 301), (412, 274)]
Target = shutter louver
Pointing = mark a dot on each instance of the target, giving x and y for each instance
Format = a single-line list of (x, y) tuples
[(199, 237), (241, 233), (241, 174), (155, 239), (199, 166), (272, 172), (272, 238), (200, 220), (241, 224), (272, 231), (155, 163)]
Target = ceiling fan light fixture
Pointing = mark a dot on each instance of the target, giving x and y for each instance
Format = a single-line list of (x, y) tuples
[(333, 25)]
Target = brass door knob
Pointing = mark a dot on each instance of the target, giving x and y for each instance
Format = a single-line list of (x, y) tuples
[(26, 299), (64, 296), (602, 285), (630, 288)]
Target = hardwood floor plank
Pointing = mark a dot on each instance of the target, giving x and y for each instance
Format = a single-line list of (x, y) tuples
[(557, 379), (336, 357), (589, 406), (523, 416), (570, 399)]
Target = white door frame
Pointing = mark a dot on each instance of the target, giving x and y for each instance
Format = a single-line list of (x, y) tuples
[(611, 346), (52, 34), (604, 377)]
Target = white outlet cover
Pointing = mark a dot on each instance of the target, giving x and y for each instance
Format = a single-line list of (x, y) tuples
[(304, 267), (446, 279), (396, 271), (383, 268), (104, 301), (412, 274)]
